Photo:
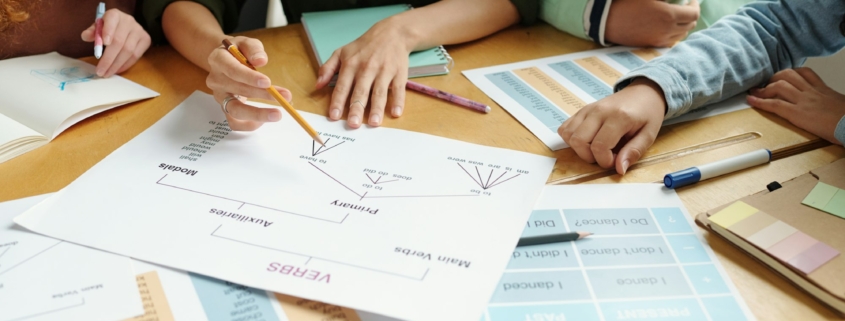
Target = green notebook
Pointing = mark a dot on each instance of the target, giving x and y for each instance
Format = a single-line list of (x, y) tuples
[(330, 30)]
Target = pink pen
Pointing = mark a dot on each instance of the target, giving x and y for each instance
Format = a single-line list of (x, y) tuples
[(448, 97), (98, 30)]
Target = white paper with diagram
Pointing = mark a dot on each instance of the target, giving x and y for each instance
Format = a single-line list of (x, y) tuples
[(381, 220), (42, 278)]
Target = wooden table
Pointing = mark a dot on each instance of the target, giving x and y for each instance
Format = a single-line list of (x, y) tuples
[(292, 65)]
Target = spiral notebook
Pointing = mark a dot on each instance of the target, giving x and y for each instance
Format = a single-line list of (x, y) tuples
[(330, 30)]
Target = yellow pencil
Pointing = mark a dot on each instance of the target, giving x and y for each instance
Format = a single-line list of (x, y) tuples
[(272, 90)]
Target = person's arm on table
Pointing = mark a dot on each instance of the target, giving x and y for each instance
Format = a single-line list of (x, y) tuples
[(372, 62), (735, 54), (377, 62), (623, 22), (192, 29)]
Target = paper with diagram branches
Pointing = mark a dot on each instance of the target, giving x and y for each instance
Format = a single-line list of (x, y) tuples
[(382, 220), (43, 278)]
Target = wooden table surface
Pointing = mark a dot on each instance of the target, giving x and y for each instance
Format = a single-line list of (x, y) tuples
[(292, 65)]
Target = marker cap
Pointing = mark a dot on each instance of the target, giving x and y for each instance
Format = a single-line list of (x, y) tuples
[(682, 178)]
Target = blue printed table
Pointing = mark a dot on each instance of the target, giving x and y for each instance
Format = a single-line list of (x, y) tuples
[(641, 263)]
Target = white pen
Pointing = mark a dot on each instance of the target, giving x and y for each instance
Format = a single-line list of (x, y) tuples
[(98, 30), (699, 173)]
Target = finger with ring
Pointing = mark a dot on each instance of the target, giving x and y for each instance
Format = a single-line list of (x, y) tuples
[(226, 102)]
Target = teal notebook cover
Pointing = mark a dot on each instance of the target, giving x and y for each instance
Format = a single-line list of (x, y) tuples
[(330, 30)]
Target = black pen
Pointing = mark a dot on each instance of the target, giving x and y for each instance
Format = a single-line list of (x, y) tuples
[(552, 238)]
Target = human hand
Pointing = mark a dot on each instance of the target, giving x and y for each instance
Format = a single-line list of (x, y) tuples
[(649, 23), (800, 96), (125, 41), (368, 68), (629, 118), (228, 77)]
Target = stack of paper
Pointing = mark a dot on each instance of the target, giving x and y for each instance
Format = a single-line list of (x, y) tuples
[(371, 221), (394, 223)]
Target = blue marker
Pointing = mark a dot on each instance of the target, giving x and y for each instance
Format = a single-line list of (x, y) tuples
[(699, 173)]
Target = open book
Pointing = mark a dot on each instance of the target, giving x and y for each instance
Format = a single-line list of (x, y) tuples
[(42, 95)]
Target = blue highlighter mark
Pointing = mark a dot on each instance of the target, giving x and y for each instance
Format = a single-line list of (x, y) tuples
[(60, 78), (627, 59), (581, 78), (548, 114)]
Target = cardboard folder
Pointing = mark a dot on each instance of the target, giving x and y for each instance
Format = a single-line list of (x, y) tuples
[(826, 283)]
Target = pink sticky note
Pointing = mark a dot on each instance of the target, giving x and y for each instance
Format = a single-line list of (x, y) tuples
[(791, 246), (814, 257)]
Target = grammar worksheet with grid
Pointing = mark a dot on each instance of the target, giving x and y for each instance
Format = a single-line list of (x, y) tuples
[(646, 261)]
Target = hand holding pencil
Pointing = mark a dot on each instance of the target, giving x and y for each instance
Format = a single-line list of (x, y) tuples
[(239, 56), (228, 77)]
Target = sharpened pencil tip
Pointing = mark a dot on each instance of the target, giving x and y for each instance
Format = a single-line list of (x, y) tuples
[(320, 141)]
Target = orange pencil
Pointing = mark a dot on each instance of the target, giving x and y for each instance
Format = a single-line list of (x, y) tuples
[(272, 90)]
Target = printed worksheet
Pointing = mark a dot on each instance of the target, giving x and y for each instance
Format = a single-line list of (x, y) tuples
[(46, 279), (383, 220), (543, 93), (170, 295), (645, 261)]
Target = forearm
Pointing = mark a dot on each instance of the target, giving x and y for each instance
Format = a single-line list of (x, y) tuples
[(192, 30), (569, 16), (453, 21), (742, 51)]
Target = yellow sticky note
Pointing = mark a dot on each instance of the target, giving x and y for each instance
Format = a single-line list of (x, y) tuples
[(732, 214), (307, 310)]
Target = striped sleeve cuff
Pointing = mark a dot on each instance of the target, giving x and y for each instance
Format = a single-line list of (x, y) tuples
[(595, 20)]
